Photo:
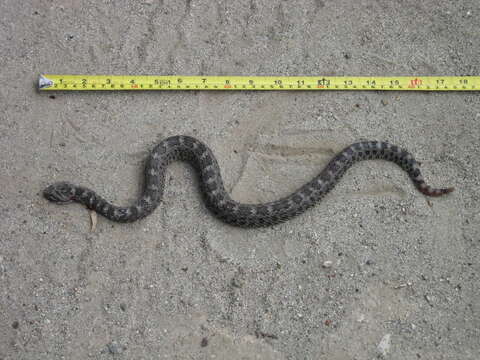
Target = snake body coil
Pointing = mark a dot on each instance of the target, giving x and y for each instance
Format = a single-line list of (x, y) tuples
[(186, 148)]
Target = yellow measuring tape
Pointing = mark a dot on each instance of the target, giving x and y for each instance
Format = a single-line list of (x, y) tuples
[(173, 82)]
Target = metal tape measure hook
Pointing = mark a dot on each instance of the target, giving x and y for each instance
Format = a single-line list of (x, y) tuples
[(44, 82)]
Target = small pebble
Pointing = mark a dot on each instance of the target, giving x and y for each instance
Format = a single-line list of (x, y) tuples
[(123, 306), (327, 264), (384, 102), (238, 283), (369, 262), (204, 342), (15, 324), (114, 348)]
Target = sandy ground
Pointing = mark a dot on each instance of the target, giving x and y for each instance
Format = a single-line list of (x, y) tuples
[(404, 276)]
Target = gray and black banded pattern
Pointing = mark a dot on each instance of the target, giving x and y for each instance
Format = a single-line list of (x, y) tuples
[(186, 148)]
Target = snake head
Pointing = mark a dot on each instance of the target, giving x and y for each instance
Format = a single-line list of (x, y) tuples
[(61, 192)]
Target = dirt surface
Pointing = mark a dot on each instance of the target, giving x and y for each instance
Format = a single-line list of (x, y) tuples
[(376, 270)]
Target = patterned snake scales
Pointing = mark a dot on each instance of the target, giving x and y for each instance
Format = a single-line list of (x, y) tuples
[(189, 149)]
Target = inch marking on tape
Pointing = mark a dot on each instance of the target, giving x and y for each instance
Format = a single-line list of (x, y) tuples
[(309, 83)]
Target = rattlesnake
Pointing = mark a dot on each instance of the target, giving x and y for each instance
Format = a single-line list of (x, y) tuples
[(195, 152)]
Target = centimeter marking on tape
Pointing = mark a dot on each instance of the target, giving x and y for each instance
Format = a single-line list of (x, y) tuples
[(173, 82)]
